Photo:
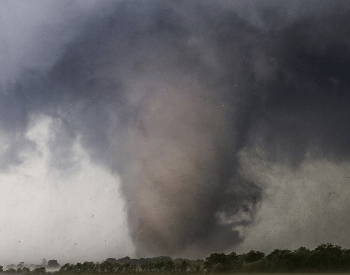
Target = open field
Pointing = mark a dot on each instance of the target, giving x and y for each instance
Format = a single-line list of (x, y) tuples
[(244, 273)]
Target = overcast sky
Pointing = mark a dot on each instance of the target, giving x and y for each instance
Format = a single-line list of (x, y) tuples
[(181, 128)]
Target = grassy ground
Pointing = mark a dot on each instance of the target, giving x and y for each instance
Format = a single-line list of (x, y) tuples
[(245, 273)]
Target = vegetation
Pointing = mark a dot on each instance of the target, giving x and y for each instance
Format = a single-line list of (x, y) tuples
[(324, 258)]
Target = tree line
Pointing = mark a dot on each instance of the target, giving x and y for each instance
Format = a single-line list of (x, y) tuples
[(324, 258)]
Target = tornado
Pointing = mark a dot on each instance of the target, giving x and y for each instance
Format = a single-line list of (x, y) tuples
[(204, 109)]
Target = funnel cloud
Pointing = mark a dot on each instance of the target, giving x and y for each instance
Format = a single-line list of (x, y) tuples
[(209, 112)]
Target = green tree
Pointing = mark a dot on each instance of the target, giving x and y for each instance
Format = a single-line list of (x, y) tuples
[(109, 267), (53, 264), (181, 266), (25, 270), (234, 264), (253, 256), (126, 268), (66, 268), (280, 260), (219, 263), (159, 266), (169, 267), (214, 260), (148, 267), (300, 256), (326, 257), (194, 267), (39, 270), (144, 267)]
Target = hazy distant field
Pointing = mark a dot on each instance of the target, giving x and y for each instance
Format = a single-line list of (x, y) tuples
[(245, 273)]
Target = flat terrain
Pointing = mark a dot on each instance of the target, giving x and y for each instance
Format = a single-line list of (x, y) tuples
[(244, 273)]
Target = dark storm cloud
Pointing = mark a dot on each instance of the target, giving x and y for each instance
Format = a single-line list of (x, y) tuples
[(305, 108), (170, 92)]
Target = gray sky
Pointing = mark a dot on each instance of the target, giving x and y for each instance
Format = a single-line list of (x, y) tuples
[(147, 128)]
